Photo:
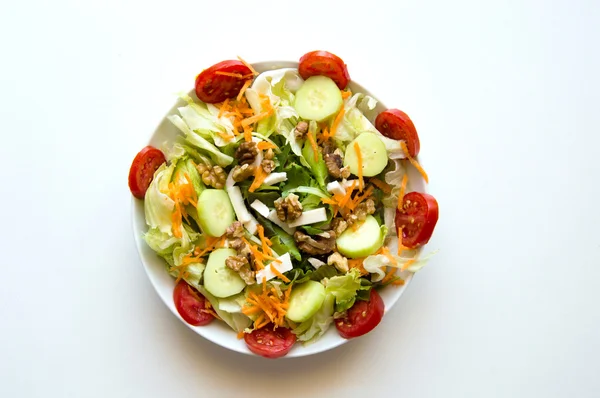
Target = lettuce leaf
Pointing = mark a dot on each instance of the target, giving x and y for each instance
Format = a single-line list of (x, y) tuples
[(236, 320), (373, 264), (158, 206), (309, 331), (344, 288), (317, 167)]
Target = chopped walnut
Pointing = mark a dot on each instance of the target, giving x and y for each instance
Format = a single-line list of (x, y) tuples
[(339, 225), (338, 261), (246, 152), (240, 265), (240, 247), (361, 212), (315, 245), (235, 230), (213, 176), (267, 165), (301, 130), (335, 164), (243, 172), (288, 209), (270, 154)]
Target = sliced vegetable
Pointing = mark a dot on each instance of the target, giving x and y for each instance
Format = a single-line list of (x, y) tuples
[(191, 305), (277, 267), (221, 81), (417, 218), (269, 342), (363, 317), (237, 201), (318, 99), (142, 170), (395, 124), (215, 211), (370, 153), (220, 280), (363, 241), (324, 63), (305, 301)]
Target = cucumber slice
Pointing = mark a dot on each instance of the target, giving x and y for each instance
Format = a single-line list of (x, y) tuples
[(363, 242), (215, 212), (318, 99), (305, 300), (219, 280), (373, 153)]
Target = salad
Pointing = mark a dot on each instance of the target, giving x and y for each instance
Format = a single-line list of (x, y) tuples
[(282, 209)]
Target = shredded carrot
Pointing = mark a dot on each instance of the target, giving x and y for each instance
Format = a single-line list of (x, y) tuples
[(337, 121), (400, 246), (358, 264), (270, 305), (254, 72), (346, 94), (358, 199), (266, 242), (279, 274), (324, 136), (314, 146), (266, 145), (240, 335), (224, 107), (389, 275), (408, 264), (247, 84), (402, 191), (386, 252), (414, 161), (398, 282), (238, 75), (259, 177), (359, 159), (225, 136), (386, 188), (256, 118), (247, 134)]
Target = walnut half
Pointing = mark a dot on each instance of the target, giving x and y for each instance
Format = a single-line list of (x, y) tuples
[(319, 244), (338, 261), (240, 265), (288, 209), (246, 152), (335, 164), (213, 176)]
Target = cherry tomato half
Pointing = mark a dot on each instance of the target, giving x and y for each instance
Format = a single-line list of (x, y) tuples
[(395, 124), (142, 170), (417, 218), (221, 81), (362, 317), (269, 342), (191, 305), (323, 63)]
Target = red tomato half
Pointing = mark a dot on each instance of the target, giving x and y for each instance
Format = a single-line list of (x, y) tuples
[(362, 317), (221, 81), (191, 305), (417, 218), (270, 343), (142, 170), (395, 124), (323, 63)]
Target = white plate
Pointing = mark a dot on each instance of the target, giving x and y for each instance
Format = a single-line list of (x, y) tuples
[(218, 332)]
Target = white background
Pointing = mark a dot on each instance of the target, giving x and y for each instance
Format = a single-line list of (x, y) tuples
[(505, 96)]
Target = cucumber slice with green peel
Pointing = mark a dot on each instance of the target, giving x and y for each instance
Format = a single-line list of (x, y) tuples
[(318, 99), (215, 212), (363, 242), (219, 280), (373, 153), (306, 299)]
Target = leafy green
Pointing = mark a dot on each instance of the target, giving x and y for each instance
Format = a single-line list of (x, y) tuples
[(344, 289), (158, 206), (199, 142), (282, 241), (311, 230), (317, 167), (296, 176), (236, 320), (267, 197), (309, 331), (307, 273)]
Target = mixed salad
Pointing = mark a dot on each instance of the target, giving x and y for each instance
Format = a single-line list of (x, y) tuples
[(282, 209)]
